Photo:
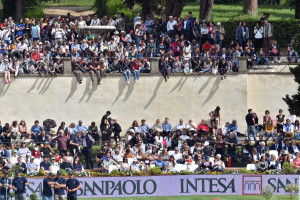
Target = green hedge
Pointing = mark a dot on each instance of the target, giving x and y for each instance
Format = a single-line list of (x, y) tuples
[(282, 31)]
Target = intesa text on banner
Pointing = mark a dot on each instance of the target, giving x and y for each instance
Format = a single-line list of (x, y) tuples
[(175, 185)]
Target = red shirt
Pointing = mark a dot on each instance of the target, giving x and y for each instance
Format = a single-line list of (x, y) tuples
[(35, 56), (136, 66), (207, 47), (203, 127)]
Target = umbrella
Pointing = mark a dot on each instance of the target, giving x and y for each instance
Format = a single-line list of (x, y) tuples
[(49, 123)]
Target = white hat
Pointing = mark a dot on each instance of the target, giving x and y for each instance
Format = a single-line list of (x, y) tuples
[(219, 24), (32, 157), (131, 130), (134, 160), (116, 33), (218, 156), (206, 143)]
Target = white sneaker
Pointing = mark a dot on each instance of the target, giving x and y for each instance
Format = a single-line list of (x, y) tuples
[(136, 81), (279, 61), (272, 62), (127, 83)]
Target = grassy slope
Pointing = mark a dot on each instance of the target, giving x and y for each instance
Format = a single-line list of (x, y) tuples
[(200, 197), (228, 12), (220, 12), (81, 3)]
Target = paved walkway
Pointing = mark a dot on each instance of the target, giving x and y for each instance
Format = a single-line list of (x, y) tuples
[(74, 11)]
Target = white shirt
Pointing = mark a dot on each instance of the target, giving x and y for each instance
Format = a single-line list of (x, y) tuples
[(204, 31), (258, 33), (190, 127), (288, 129), (168, 141), (292, 118), (170, 25), (81, 23), (95, 22), (21, 47), (184, 137), (177, 156), (180, 126), (135, 167)]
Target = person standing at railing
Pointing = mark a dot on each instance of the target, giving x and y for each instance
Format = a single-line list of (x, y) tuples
[(292, 52), (267, 34)]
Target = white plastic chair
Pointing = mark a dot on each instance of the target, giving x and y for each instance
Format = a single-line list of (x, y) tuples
[(112, 167), (251, 167), (274, 152), (192, 168), (130, 161), (55, 169)]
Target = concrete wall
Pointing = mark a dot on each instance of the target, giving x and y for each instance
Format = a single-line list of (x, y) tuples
[(62, 98)]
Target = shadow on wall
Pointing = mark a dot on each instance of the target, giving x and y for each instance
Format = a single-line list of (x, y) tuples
[(46, 85), (129, 91), (204, 85), (73, 89), (212, 91), (122, 85), (161, 79)]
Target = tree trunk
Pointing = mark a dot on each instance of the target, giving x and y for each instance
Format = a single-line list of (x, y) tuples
[(20, 9), (250, 6), (174, 7), (206, 8), (297, 10)]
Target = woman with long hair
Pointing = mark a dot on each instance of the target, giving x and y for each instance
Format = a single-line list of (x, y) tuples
[(77, 164), (215, 119), (269, 130)]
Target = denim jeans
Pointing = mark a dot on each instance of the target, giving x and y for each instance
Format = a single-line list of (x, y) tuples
[(269, 134), (205, 70), (47, 198), (20, 196), (127, 75), (2, 197), (262, 60), (251, 130), (291, 54), (136, 75), (245, 157)]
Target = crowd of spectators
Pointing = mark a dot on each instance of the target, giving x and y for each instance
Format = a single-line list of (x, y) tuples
[(184, 46), (207, 146)]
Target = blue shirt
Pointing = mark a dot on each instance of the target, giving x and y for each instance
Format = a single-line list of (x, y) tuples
[(160, 163), (19, 184), (20, 32), (144, 128), (2, 190), (72, 184), (47, 191), (35, 31), (232, 128), (81, 128), (5, 154), (37, 129), (46, 165), (32, 165), (167, 127), (61, 181)]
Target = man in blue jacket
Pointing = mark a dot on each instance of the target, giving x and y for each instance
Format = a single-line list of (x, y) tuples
[(187, 27)]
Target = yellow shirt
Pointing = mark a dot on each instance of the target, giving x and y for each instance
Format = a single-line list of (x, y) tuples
[(269, 128)]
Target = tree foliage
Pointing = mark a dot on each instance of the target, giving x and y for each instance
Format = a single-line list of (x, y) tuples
[(293, 102), (101, 8)]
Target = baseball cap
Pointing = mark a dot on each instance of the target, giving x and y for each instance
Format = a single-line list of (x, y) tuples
[(14, 151), (50, 174), (32, 157), (17, 171), (59, 172), (5, 172), (52, 158), (71, 172)]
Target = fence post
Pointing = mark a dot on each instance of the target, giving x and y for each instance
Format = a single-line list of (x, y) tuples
[(154, 63), (67, 66), (243, 65)]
